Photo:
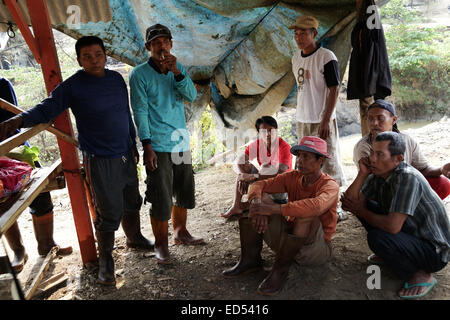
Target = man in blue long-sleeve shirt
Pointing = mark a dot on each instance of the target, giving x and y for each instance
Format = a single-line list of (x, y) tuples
[(158, 89), (98, 98)]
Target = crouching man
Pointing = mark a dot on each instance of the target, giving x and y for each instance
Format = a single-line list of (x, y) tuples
[(407, 226), (299, 230)]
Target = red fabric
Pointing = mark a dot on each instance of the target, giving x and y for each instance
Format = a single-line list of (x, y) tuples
[(258, 149), (440, 185), (14, 175)]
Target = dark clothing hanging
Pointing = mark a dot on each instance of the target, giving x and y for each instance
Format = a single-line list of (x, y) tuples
[(369, 73)]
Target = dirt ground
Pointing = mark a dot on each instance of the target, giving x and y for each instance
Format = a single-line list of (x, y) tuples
[(196, 271)]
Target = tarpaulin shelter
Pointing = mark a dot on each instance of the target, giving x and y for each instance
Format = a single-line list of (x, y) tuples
[(238, 52)]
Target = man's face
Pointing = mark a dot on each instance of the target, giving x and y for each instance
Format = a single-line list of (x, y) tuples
[(93, 60), (159, 47), (381, 160), (380, 120), (307, 162), (267, 133), (304, 37)]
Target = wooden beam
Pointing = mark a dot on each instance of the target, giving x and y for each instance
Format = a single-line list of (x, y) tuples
[(16, 140), (40, 181), (23, 26), (40, 274), (42, 28), (12, 108)]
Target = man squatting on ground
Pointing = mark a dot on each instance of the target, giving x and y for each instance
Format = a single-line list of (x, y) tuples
[(274, 157), (382, 117), (406, 222), (158, 89), (98, 98), (41, 208), (299, 230)]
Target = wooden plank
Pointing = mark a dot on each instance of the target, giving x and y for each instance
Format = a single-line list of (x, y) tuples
[(16, 140), (41, 180), (66, 137), (40, 274), (51, 283)]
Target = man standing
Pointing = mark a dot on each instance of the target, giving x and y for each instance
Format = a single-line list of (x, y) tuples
[(41, 208), (98, 99), (317, 75), (406, 222), (158, 88), (382, 117), (299, 230)]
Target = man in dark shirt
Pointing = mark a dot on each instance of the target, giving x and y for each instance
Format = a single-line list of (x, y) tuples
[(98, 98)]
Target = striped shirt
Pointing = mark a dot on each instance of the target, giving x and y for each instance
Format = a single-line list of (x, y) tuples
[(407, 191)]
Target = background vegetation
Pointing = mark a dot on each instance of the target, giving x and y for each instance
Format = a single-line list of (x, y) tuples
[(419, 56)]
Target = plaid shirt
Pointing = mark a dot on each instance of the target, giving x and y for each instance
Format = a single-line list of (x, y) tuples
[(407, 191)]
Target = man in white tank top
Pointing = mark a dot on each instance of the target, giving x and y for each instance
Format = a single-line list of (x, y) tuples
[(317, 75)]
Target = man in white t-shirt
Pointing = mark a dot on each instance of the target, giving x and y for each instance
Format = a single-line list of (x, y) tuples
[(382, 117), (317, 75)]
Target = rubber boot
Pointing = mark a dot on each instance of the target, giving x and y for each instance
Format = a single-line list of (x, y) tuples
[(161, 233), (289, 247), (251, 246), (181, 234), (15, 242), (131, 225), (43, 231), (106, 274)]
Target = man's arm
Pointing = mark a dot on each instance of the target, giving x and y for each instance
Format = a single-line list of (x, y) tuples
[(435, 172), (330, 104), (185, 86), (44, 112)]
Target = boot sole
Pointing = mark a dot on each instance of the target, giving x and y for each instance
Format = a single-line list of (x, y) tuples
[(106, 283), (268, 294), (164, 262), (189, 243), (251, 270), (19, 268), (140, 247)]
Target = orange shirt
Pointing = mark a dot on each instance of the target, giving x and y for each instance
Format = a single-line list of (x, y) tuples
[(319, 199)]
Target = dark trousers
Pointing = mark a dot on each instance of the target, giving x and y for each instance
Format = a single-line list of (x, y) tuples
[(403, 253)]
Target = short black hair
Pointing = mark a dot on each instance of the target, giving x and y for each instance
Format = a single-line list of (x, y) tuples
[(266, 120), (396, 145), (88, 41)]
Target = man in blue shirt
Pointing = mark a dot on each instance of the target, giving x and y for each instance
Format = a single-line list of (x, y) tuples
[(158, 89), (98, 98)]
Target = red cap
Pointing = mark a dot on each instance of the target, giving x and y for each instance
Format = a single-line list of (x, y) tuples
[(312, 144)]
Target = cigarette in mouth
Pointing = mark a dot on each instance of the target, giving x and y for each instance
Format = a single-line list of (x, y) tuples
[(162, 56)]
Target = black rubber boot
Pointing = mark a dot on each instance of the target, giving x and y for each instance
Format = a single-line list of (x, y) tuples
[(131, 225), (106, 274), (251, 246)]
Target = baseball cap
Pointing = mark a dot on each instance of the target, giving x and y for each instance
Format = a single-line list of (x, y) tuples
[(383, 104), (312, 144), (156, 31), (305, 22)]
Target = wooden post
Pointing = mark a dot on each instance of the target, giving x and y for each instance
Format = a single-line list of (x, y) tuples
[(44, 42)]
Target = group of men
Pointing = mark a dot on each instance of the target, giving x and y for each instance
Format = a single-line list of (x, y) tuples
[(98, 98), (396, 194), (293, 211)]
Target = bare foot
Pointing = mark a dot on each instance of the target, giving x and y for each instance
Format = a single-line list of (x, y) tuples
[(232, 211), (418, 277)]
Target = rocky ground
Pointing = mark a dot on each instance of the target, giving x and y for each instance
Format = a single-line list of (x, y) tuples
[(196, 271)]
